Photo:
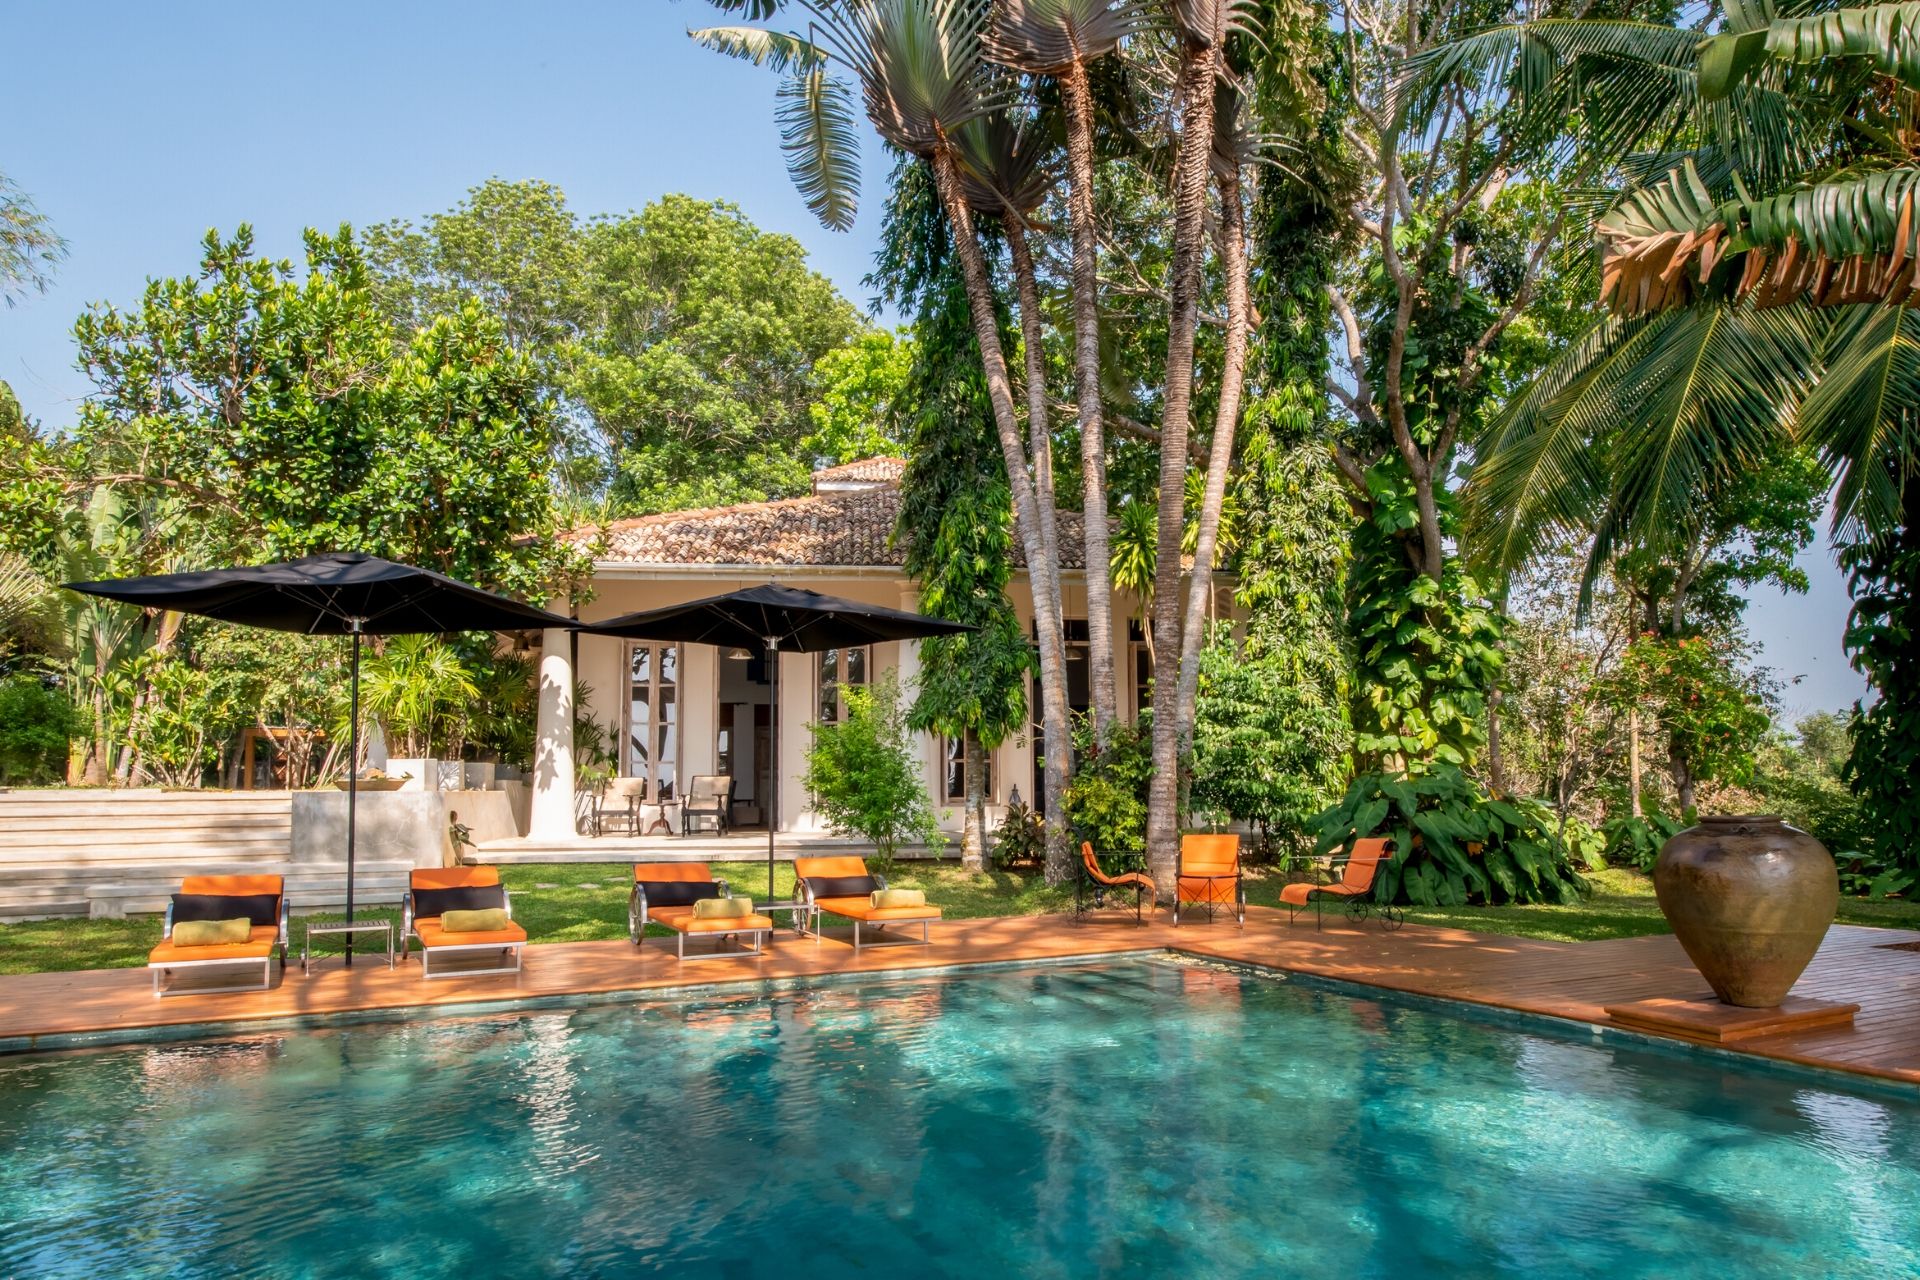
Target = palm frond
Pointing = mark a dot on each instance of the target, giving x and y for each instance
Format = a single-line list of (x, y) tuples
[(918, 63), (775, 49), (1864, 415), (1886, 36), (823, 153), (1045, 37), (1007, 166)]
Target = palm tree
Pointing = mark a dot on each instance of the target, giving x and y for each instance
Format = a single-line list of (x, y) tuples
[(1060, 38), (919, 67)]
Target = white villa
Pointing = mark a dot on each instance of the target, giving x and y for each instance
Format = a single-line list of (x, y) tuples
[(677, 711)]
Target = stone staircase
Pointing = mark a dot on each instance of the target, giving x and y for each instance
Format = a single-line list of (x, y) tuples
[(105, 853)]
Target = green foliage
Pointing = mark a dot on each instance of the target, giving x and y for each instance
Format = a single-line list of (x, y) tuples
[(1266, 747), (1020, 839), (594, 761), (1883, 643), (1107, 797), (1453, 845), (864, 775), (1711, 712), (1635, 839), (683, 340), (29, 246), (1426, 652), (860, 386), (36, 723), (418, 688)]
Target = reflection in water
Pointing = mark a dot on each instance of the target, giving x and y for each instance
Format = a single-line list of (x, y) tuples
[(1141, 1118)]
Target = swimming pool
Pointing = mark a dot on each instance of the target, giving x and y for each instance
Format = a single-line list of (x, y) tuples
[(1132, 1118)]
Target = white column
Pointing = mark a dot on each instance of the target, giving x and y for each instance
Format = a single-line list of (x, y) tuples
[(552, 815)]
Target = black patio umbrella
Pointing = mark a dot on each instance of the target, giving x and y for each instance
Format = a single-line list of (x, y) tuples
[(331, 594), (775, 618)]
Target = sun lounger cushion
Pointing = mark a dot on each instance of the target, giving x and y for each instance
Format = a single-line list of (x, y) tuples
[(863, 909), (722, 908), (260, 943), (212, 933), (470, 897), (258, 908), (898, 898), (842, 886), (433, 934), (486, 920), (682, 920), (680, 893)]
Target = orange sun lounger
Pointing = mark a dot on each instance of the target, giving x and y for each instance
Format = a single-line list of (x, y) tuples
[(261, 899), (1210, 875), (1355, 887), (843, 887), (433, 891), (1094, 883), (663, 893)]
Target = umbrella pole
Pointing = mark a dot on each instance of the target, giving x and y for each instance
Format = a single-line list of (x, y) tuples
[(773, 801), (353, 773)]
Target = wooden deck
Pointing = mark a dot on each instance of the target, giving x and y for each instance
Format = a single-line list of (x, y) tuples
[(1564, 980)]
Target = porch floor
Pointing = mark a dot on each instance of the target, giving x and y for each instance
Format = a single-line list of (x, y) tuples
[(1877, 968)]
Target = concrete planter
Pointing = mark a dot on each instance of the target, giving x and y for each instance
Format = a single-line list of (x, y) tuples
[(453, 775), (1750, 898), (479, 775)]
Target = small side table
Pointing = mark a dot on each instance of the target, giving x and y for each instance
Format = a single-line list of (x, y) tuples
[(797, 913), (382, 927)]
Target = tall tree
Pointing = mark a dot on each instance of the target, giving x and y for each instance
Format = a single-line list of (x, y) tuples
[(29, 246)]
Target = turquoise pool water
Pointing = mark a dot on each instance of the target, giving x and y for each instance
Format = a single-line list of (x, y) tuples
[(1137, 1118)]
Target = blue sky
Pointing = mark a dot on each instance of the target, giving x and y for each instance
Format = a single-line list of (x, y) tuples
[(137, 126)]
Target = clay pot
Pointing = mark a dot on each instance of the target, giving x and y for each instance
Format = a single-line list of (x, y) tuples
[(1750, 898)]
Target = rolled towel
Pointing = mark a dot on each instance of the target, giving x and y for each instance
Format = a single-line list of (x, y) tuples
[(486, 920), (899, 898), (722, 908), (212, 933)]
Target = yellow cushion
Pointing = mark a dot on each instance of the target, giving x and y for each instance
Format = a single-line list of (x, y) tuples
[(899, 898), (212, 933), (722, 908), (485, 920)]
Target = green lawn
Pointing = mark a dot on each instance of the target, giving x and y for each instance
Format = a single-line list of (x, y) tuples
[(580, 902)]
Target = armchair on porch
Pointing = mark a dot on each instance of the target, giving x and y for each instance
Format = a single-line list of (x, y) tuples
[(617, 804), (709, 795)]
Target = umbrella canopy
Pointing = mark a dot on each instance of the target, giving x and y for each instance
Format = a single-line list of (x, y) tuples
[(334, 593), (791, 618), (775, 618)]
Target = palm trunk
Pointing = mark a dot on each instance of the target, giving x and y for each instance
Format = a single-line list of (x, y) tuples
[(1496, 758), (973, 855), (1233, 368), (1189, 242), (1104, 688), (1043, 571), (1039, 420), (1633, 758)]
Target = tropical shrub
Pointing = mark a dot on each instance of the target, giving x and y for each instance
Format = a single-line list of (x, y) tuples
[(36, 724), (1267, 748), (1884, 767), (419, 689), (1107, 799), (863, 774), (1634, 839), (1021, 837), (1454, 845)]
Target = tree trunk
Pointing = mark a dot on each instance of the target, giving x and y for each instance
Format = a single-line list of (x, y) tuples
[(1039, 420), (1682, 769), (1496, 760), (1233, 368), (973, 829), (1198, 65), (1043, 572), (1633, 757), (1103, 687)]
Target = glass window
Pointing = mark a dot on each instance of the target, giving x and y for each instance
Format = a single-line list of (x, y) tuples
[(838, 669), (954, 758), (653, 708)]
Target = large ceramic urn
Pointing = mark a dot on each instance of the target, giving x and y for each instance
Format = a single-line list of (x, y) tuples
[(1750, 898)]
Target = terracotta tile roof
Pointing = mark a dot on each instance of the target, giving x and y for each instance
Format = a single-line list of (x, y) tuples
[(840, 528), (863, 471)]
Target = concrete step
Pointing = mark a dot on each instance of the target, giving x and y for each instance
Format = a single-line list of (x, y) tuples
[(736, 848)]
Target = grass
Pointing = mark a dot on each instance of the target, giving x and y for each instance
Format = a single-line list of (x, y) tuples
[(585, 902)]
